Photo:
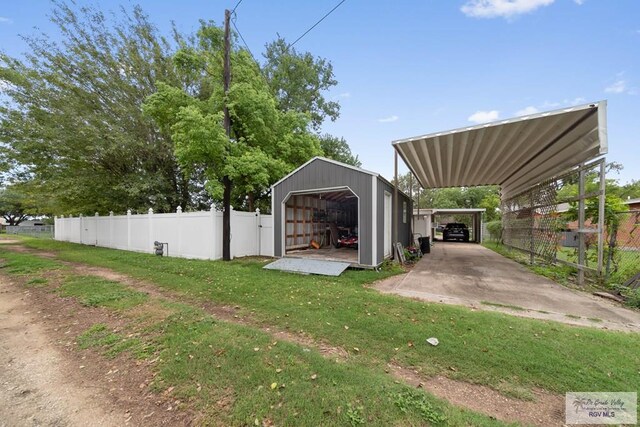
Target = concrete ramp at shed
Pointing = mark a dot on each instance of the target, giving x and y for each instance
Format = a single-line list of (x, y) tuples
[(309, 266)]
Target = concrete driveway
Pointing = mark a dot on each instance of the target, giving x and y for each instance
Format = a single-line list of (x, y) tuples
[(472, 275)]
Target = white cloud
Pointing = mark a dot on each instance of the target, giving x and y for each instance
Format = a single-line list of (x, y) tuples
[(484, 116), (526, 111), (388, 119), (619, 86), (345, 95), (4, 20), (575, 101), (579, 2), (501, 8)]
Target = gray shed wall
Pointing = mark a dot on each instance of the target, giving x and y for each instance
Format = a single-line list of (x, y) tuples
[(404, 229), (320, 174)]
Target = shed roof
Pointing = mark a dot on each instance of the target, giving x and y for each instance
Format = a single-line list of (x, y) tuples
[(324, 159), (515, 153), (344, 165)]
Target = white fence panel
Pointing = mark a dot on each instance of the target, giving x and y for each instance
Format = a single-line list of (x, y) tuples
[(139, 229), (244, 234), (119, 232), (266, 235), (188, 234), (88, 232), (195, 231), (74, 230), (165, 230)]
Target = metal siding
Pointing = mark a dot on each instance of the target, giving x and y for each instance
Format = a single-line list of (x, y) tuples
[(322, 174), (404, 230), (515, 153)]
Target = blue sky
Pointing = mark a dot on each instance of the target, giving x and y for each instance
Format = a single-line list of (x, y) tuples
[(408, 68)]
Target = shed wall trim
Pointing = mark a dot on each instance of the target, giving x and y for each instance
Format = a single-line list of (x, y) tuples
[(283, 219), (374, 220)]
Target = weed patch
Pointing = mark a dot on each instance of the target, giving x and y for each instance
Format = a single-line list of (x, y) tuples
[(93, 291), (112, 343)]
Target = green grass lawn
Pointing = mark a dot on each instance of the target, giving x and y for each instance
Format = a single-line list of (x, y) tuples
[(504, 352), (232, 374)]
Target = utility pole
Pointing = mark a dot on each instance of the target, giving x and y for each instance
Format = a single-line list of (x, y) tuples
[(226, 182)]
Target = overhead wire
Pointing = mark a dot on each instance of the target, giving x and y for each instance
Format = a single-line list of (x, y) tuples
[(260, 70), (315, 25), (236, 6)]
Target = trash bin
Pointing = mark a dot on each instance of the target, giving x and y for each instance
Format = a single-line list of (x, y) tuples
[(425, 244)]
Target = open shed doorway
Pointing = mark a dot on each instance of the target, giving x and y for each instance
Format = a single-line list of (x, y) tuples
[(322, 224)]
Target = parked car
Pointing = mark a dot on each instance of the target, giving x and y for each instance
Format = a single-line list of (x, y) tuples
[(455, 231)]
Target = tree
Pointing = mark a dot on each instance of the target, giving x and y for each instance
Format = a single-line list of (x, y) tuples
[(298, 80), (337, 149), (450, 198), (15, 205), (73, 117), (265, 143), (491, 202), (630, 190)]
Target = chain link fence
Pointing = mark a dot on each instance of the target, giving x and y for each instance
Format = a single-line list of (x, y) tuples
[(551, 220), (622, 251), (547, 223), (45, 231)]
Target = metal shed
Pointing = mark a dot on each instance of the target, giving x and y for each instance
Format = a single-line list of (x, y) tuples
[(324, 199)]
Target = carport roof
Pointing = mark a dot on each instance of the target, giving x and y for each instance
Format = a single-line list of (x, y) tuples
[(515, 153)]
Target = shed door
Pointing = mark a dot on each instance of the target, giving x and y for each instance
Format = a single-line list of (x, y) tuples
[(387, 224)]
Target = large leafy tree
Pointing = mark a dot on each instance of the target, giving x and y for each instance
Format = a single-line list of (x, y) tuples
[(298, 81), (266, 142), (337, 149), (17, 204), (450, 198), (73, 118)]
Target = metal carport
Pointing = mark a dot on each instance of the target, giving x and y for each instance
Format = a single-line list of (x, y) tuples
[(516, 154)]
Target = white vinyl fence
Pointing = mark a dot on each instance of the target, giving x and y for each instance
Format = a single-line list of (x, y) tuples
[(188, 234)]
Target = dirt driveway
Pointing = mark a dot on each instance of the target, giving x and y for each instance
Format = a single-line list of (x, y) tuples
[(471, 275)]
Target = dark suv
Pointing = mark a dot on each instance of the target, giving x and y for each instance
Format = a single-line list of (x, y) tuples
[(455, 231)]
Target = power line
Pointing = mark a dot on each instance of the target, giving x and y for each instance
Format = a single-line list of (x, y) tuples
[(236, 6), (315, 25), (233, 22), (260, 70)]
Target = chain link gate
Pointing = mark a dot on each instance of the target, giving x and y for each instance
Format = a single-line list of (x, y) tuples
[(558, 216)]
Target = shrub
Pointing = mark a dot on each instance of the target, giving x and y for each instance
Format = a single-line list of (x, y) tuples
[(495, 230)]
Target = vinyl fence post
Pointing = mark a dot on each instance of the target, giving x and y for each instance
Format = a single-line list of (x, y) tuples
[(70, 224), (111, 229), (214, 231), (55, 227), (179, 225), (258, 231), (151, 239), (95, 222), (128, 229), (81, 227), (231, 249), (63, 231)]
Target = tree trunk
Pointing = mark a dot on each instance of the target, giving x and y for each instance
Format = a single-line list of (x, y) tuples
[(250, 200)]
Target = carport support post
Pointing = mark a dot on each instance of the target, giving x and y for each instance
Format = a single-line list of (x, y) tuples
[(394, 215), (601, 201), (581, 227)]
